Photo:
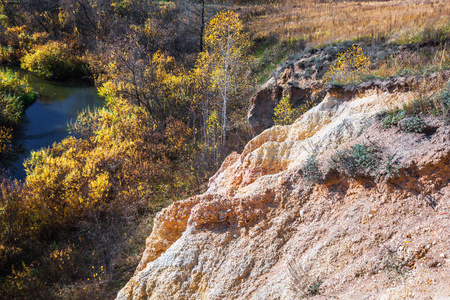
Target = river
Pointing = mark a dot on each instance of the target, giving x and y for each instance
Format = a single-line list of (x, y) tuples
[(45, 122)]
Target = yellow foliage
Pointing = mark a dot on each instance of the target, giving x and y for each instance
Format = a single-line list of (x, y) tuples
[(284, 114), (177, 135), (19, 36), (60, 257), (227, 64), (18, 41), (99, 187), (149, 29), (121, 6), (63, 17), (20, 280), (161, 86), (227, 44), (349, 66), (5, 138), (73, 176), (222, 28), (166, 8), (52, 60), (108, 90), (118, 163)]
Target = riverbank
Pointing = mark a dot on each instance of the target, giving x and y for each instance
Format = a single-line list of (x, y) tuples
[(44, 121), (16, 96)]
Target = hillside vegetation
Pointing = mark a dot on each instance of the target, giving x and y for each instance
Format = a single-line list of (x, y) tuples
[(15, 97), (322, 22), (283, 28), (176, 77)]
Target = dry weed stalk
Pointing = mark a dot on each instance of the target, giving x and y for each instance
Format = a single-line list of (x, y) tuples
[(301, 282)]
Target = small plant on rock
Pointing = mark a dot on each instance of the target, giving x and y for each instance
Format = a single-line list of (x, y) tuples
[(311, 170), (391, 166), (392, 263), (314, 289), (393, 118), (359, 160), (445, 98), (444, 106), (301, 282), (413, 124)]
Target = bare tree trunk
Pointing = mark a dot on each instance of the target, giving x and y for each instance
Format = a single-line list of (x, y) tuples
[(225, 93), (94, 28), (202, 27)]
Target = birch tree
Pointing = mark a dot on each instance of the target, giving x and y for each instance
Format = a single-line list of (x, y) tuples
[(226, 45)]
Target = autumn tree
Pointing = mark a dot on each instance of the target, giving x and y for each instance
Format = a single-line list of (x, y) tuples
[(155, 82), (226, 47), (7, 12), (5, 145), (284, 113)]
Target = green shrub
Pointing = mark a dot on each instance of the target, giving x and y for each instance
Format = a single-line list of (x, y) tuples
[(12, 84), (391, 167), (10, 109), (315, 289), (413, 124), (6, 54), (15, 96), (53, 60), (445, 98), (393, 118), (359, 160), (444, 106), (311, 170)]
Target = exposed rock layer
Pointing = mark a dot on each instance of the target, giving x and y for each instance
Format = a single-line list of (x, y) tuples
[(302, 74), (262, 104), (262, 232)]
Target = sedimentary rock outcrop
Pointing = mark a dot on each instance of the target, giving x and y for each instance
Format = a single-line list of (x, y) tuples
[(262, 105), (301, 75), (261, 231)]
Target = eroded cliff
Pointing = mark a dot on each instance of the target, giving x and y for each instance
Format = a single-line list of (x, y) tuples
[(262, 231)]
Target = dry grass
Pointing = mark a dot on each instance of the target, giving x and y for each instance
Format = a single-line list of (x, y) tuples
[(407, 62), (321, 22), (412, 63)]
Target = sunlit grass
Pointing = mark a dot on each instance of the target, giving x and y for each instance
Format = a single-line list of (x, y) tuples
[(412, 63), (353, 67), (321, 22)]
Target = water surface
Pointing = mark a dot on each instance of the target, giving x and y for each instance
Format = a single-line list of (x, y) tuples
[(45, 122)]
